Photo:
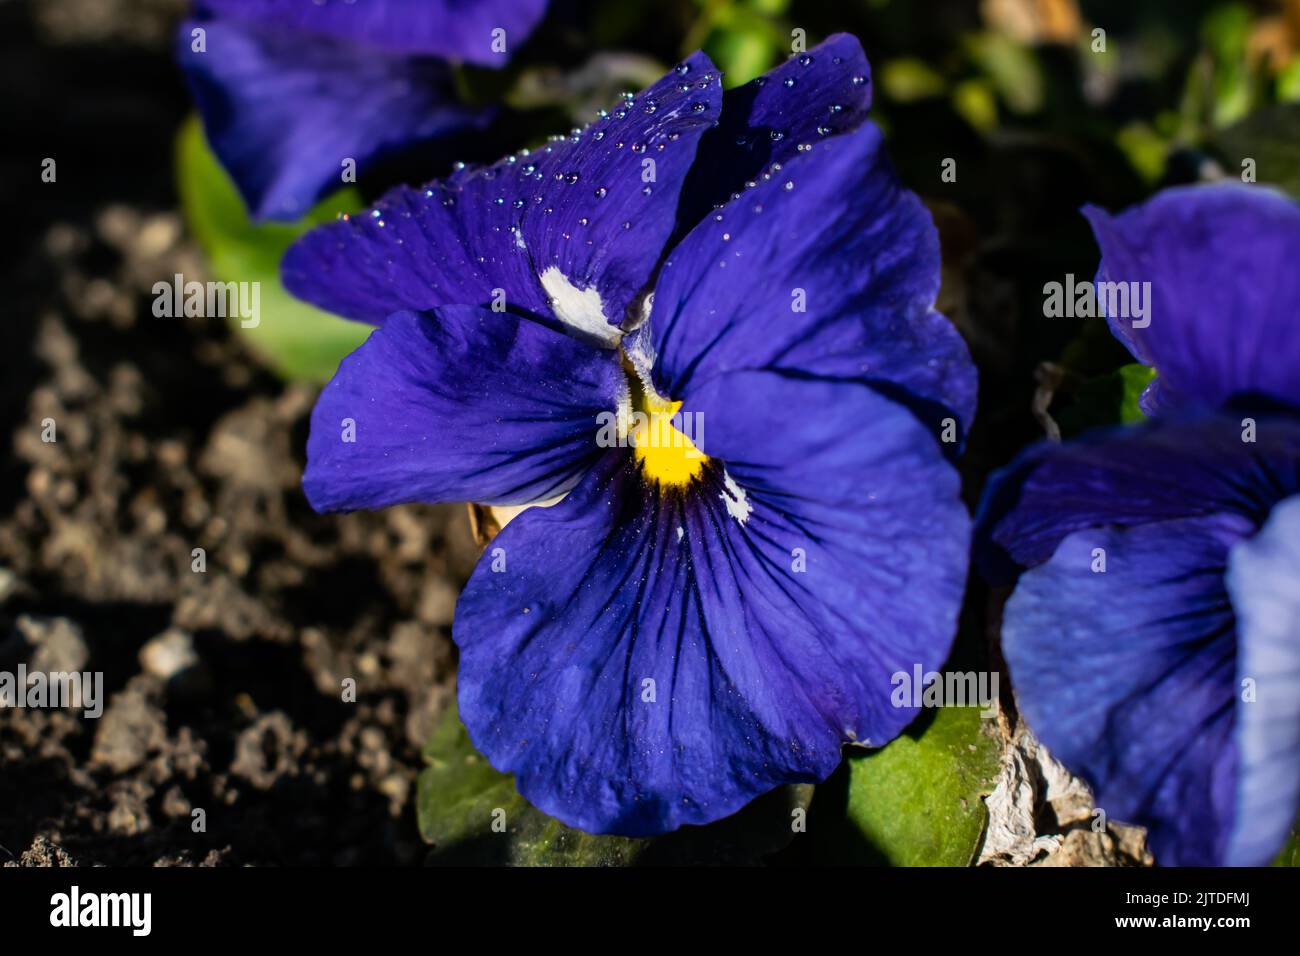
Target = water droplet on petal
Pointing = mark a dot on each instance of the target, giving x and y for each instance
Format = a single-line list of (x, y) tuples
[(805, 60), (788, 81), (602, 192)]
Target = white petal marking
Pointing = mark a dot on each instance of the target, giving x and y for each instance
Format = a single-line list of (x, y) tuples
[(733, 497), (580, 309)]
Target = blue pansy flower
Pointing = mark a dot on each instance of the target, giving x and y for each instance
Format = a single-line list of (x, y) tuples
[(714, 609), (1154, 635), (292, 90)]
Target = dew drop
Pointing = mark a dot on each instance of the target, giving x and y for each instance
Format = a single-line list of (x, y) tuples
[(805, 60), (602, 192)]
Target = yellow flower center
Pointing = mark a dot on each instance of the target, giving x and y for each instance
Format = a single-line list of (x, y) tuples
[(666, 453)]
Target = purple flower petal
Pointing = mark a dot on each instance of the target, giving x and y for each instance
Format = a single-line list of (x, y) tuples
[(576, 222), (1164, 469), (760, 669), (464, 405), (451, 29), (810, 97), (1224, 287), (1128, 676), (827, 267), (284, 114), (1264, 581)]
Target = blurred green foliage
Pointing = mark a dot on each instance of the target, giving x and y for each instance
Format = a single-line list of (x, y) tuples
[(297, 340)]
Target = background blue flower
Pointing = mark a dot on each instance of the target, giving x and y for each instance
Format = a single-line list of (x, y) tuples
[(1152, 635), (291, 92)]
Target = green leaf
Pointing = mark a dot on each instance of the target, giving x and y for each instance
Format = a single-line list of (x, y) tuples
[(297, 340), (1104, 400), (459, 797), (916, 802), (1134, 380)]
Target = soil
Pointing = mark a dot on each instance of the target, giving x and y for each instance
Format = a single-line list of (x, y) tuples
[(223, 686)]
